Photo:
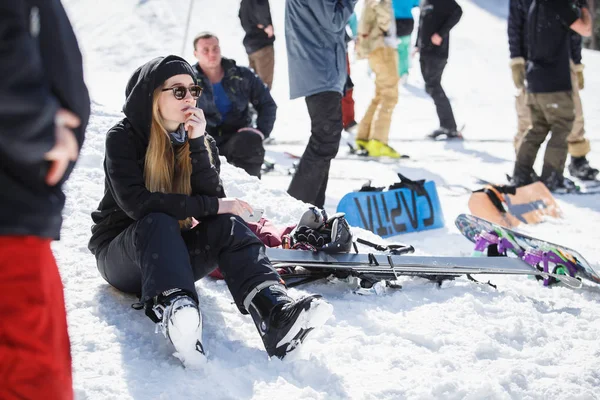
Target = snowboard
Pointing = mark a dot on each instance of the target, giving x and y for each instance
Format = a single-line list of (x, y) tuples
[(549, 257), (414, 207), (509, 206)]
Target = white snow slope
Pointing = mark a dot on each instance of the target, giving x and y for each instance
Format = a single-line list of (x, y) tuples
[(460, 341)]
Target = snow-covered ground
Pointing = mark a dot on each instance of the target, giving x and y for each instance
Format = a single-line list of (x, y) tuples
[(459, 341)]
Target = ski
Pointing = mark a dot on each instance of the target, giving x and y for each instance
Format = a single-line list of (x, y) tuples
[(372, 268)]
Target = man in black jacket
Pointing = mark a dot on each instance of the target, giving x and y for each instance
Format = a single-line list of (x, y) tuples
[(438, 17), (228, 91), (578, 144), (255, 17), (44, 109), (549, 89)]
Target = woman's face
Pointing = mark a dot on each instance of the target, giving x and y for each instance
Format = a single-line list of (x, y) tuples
[(172, 110)]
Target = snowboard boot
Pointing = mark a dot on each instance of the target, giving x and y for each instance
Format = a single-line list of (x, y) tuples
[(284, 323), (557, 183), (523, 177), (375, 148), (448, 133), (180, 321), (580, 168)]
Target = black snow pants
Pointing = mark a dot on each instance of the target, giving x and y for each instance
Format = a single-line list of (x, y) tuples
[(153, 255), (310, 181), (432, 68)]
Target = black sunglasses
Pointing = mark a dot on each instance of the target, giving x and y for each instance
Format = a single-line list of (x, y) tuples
[(180, 91)]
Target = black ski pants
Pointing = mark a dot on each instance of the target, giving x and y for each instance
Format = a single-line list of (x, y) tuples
[(310, 181), (153, 255), (432, 68)]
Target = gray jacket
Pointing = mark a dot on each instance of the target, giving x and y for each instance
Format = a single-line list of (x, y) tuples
[(316, 49)]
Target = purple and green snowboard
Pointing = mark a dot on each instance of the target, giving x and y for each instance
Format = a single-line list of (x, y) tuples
[(550, 257)]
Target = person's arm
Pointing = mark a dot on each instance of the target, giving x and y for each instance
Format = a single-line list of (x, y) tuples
[(455, 13), (205, 178), (576, 43), (263, 103), (583, 25), (516, 29), (125, 177), (332, 15), (27, 107)]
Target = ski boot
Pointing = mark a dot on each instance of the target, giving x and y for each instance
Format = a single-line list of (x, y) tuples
[(375, 148), (179, 319), (284, 323), (580, 168)]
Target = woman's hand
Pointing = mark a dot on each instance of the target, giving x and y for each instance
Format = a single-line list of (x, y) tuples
[(234, 206), (195, 123)]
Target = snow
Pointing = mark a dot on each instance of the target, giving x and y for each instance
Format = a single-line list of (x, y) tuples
[(460, 341)]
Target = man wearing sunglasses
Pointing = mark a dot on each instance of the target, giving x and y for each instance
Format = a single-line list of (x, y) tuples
[(228, 92)]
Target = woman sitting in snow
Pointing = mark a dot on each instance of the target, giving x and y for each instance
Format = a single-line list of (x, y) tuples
[(162, 175)]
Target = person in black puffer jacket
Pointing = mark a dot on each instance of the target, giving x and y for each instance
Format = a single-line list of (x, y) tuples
[(164, 221)]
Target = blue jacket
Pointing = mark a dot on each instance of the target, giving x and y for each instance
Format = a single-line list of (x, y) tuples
[(316, 48), (403, 8)]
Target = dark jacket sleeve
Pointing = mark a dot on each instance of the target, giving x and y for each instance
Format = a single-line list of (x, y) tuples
[(332, 15), (517, 16), (576, 47), (262, 12), (263, 102), (454, 15), (125, 178), (205, 177), (27, 107)]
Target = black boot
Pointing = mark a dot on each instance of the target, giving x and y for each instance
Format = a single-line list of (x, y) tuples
[(557, 183), (284, 323), (448, 133), (580, 168)]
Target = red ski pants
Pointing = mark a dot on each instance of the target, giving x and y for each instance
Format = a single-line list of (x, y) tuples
[(35, 357)]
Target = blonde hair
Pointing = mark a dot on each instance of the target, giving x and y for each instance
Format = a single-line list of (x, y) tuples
[(168, 170)]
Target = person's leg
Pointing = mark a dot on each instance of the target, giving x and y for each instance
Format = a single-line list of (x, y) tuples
[(148, 258), (310, 180), (227, 241), (35, 357), (559, 112), (348, 100), (532, 140), (523, 118), (579, 145), (403, 55), (365, 124), (386, 81), (245, 150), (263, 63), (433, 68)]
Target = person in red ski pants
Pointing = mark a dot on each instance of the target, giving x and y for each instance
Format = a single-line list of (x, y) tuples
[(44, 109)]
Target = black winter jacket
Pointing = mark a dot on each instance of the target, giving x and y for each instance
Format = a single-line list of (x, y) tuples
[(437, 16), (517, 32), (243, 87), (126, 198), (253, 13), (548, 45), (40, 71)]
